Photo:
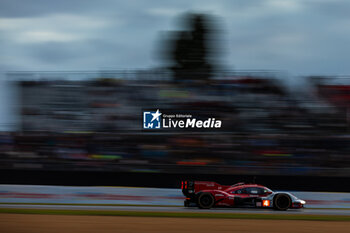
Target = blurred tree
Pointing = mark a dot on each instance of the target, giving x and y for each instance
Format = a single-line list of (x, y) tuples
[(190, 49)]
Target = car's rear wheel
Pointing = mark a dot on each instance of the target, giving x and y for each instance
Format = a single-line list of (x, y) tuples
[(282, 202), (205, 200)]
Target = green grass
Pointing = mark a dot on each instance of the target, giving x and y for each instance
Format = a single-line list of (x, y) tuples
[(178, 214), (140, 205)]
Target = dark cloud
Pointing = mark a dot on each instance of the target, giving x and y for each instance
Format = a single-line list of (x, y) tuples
[(299, 36)]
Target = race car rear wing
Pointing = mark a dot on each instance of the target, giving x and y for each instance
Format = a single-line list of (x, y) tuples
[(190, 188)]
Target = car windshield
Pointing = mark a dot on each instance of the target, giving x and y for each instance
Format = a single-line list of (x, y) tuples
[(267, 190)]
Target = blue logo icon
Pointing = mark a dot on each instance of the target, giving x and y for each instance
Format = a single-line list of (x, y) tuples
[(152, 120)]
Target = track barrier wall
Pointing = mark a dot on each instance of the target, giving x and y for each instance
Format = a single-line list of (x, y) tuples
[(136, 196)]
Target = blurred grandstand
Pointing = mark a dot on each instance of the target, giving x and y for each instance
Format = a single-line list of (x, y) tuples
[(92, 121)]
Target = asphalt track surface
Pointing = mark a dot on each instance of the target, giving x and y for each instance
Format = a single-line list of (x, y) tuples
[(305, 211)]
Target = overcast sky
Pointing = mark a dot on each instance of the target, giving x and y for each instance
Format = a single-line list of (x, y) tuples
[(301, 37)]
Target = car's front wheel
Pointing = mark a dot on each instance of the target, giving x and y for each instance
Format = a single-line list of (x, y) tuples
[(205, 201), (282, 201)]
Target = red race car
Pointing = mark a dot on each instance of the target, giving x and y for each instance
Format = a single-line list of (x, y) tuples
[(206, 194)]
